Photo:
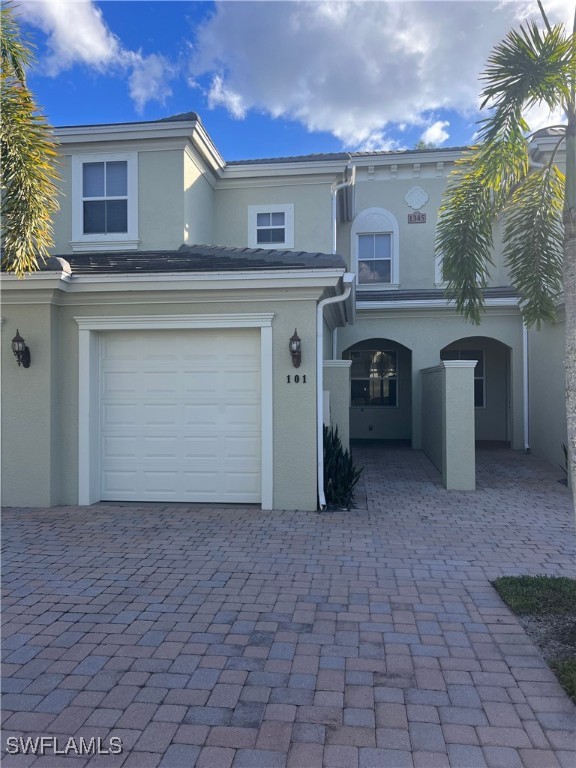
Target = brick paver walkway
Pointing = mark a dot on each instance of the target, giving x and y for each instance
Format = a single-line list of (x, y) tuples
[(230, 637)]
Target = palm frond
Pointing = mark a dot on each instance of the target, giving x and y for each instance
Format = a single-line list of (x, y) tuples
[(464, 237), (533, 242), (528, 67), (28, 162), (16, 54)]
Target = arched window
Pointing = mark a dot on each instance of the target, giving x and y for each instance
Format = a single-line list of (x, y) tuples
[(375, 249)]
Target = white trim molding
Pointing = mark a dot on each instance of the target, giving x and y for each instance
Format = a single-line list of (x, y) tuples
[(378, 221), (104, 242), (89, 329), (287, 209)]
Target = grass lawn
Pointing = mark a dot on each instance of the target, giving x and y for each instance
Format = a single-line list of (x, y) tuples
[(546, 607)]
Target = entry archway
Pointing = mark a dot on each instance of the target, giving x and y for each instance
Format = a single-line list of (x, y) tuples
[(381, 390), (492, 389)]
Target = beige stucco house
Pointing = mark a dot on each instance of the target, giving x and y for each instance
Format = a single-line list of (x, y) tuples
[(159, 333)]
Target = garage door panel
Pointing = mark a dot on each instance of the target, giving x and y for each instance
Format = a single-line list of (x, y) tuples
[(199, 447), (240, 415), (122, 414), (118, 481), (117, 446), (158, 414), (158, 447), (242, 483), (180, 416), (205, 415), (116, 382)]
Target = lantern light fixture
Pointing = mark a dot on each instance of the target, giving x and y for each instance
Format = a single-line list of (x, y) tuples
[(21, 351), (295, 346)]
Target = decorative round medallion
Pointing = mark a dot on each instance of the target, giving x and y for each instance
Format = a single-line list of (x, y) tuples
[(416, 198)]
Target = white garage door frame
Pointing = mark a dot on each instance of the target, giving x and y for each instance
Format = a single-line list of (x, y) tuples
[(89, 329)]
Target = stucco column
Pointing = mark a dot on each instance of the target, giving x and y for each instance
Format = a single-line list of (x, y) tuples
[(337, 382)]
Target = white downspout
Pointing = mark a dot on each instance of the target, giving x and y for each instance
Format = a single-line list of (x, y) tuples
[(335, 189), (525, 388), (348, 280)]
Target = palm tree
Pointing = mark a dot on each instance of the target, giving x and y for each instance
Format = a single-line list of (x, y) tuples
[(537, 203), (28, 154)]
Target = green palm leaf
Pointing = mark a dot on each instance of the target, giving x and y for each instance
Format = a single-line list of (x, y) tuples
[(533, 243), (28, 155)]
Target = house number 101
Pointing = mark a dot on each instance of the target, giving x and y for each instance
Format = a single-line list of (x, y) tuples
[(297, 379)]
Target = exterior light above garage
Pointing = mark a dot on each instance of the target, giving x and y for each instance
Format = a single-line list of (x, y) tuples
[(295, 346), (21, 351)]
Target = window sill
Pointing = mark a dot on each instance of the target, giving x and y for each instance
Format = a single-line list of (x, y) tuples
[(87, 246), (365, 287)]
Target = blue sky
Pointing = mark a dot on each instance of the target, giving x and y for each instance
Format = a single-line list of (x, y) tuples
[(271, 78)]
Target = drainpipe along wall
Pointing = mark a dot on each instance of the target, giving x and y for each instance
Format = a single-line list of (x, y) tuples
[(348, 280)]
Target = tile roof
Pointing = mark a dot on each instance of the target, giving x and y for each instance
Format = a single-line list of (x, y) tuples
[(182, 117), (343, 156), (197, 258)]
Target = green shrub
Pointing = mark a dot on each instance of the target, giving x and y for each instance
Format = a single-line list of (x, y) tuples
[(340, 472)]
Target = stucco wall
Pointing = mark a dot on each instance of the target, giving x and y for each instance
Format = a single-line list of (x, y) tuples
[(169, 190), (385, 189), (40, 405), (337, 383), (160, 195), (547, 393), (425, 332), (198, 205), (448, 422), (30, 409), (312, 212), (433, 414)]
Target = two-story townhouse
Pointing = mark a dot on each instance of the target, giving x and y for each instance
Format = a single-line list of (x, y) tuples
[(159, 334)]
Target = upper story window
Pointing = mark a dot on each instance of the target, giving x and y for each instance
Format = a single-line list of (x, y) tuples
[(271, 226), (105, 197), (105, 202), (375, 249), (374, 258)]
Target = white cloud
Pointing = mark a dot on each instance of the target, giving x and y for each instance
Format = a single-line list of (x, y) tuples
[(149, 79), (220, 95), (353, 68), (436, 133), (77, 34)]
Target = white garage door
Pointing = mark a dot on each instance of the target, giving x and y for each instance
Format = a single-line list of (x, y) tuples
[(180, 416)]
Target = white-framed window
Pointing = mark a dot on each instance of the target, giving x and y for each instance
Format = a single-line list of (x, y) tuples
[(374, 258), (271, 226), (375, 247), (374, 377), (104, 201), (479, 370)]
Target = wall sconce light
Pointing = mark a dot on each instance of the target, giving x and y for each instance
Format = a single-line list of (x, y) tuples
[(295, 347), (21, 351)]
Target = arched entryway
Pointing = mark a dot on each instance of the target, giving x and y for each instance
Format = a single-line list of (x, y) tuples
[(492, 412), (381, 390)]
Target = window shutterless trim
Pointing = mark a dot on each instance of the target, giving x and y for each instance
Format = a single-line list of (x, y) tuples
[(285, 208), (104, 241)]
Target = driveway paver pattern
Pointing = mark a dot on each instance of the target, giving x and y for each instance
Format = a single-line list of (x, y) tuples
[(228, 637)]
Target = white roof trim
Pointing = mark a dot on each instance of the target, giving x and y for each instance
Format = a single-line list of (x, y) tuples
[(426, 303)]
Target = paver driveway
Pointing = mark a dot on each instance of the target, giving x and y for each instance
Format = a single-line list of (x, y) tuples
[(215, 637)]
